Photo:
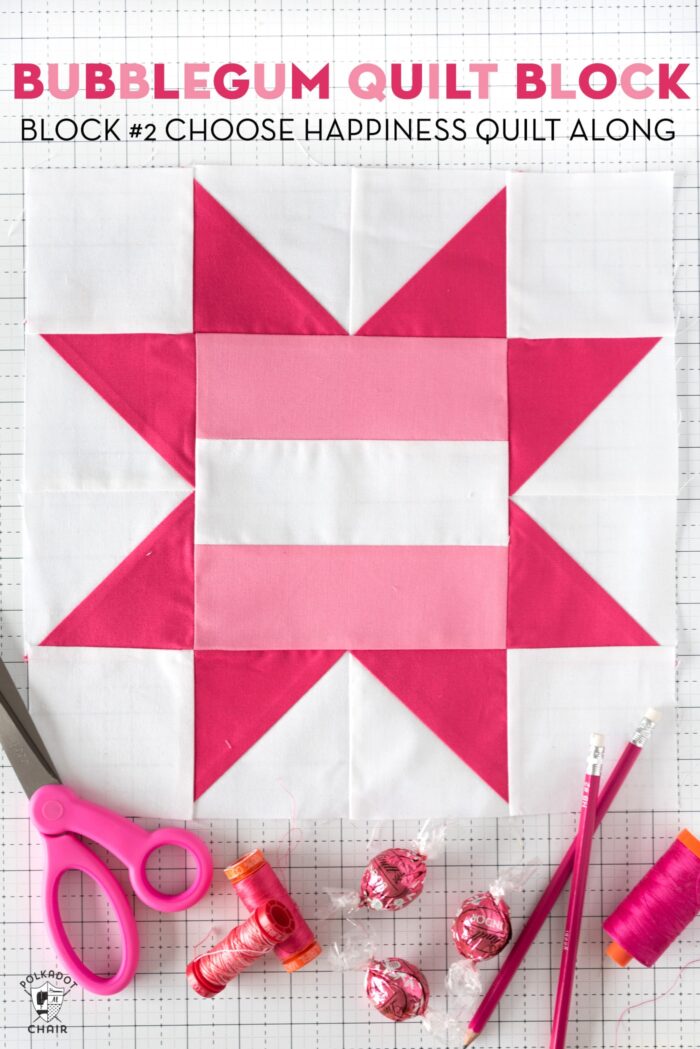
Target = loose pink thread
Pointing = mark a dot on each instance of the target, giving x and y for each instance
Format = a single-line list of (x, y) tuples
[(650, 1001)]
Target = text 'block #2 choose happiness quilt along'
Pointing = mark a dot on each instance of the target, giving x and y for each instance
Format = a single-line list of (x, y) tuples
[(349, 486)]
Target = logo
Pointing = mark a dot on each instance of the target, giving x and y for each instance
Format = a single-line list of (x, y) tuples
[(47, 990)]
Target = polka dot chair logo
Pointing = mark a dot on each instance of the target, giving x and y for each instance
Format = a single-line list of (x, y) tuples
[(47, 990)]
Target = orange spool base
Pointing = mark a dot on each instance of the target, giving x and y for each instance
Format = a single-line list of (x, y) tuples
[(618, 954)]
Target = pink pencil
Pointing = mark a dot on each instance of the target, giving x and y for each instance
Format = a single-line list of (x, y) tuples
[(579, 878), (555, 888)]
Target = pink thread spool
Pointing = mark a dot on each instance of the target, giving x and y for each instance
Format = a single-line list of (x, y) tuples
[(252, 939), (255, 882), (659, 907)]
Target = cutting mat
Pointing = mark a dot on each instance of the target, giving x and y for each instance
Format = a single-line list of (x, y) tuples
[(319, 1007)]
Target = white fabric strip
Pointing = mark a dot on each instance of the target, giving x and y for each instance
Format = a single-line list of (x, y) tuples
[(109, 250), (558, 696), (590, 255), (119, 725), (352, 492)]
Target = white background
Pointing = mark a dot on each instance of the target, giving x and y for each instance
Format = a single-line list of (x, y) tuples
[(266, 1008)]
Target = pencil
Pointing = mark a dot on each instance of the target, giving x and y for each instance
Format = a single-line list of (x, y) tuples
[(551, 894), (579, 878)]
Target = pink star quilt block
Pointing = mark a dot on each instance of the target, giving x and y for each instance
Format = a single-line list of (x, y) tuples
[(370, 492)]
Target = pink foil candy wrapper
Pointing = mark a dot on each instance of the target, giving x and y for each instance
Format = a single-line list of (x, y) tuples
[(397, 989), (393, 879), (482, 928)]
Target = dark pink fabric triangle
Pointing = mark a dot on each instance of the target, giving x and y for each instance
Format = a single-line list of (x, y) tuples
[(240, 695), (553, 602), (133, 373), (553, 384), (460, 291), (240, 287), (460, 695), (148, 600)]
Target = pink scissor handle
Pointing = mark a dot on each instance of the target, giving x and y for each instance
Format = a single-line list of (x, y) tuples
[(181, 839), (57, 810), (65, 853), (59, 814)]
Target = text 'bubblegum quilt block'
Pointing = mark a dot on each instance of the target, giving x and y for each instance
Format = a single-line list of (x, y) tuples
[(360, 482)]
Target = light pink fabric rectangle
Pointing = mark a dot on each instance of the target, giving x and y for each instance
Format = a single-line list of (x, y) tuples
[(339, 387), (286, 597)]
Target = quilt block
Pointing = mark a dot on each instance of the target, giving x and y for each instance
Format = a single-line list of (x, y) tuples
[(349, 491)]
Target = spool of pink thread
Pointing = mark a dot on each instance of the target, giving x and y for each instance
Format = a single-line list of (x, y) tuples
[(255, 882), (252, 939), (659, 907)]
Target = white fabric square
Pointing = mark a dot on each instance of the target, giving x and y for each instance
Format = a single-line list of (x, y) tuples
[(119, 724), (109, 250), (558, 696), (301, 764), (590, 255)]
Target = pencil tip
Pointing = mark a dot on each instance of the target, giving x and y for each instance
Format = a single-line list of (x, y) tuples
[(471, 1037)]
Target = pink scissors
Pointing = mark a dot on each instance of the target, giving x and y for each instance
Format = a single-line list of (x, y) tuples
[(60, 816)]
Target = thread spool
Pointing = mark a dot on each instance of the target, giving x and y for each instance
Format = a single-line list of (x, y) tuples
[(255, 882), (659, 907), (270, 923)]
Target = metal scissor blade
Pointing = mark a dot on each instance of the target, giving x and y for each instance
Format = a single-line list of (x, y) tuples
[(20, 739)]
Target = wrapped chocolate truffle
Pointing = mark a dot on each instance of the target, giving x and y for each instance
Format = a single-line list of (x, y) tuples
[(482, 928), (393, 879), (396, 876), (397, 989)]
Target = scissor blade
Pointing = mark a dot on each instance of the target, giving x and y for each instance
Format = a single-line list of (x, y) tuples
[(20, 739)]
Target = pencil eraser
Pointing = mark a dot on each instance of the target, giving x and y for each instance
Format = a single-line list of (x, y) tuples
[(597, 739), (652, 714)]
